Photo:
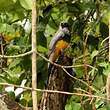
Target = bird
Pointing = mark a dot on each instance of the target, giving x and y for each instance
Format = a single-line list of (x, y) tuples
[(59, 42)]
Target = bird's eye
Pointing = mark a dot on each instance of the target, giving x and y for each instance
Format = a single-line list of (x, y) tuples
[(65, 25), (62, 24)]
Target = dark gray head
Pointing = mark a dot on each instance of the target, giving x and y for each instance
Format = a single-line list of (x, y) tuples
[(64, 25)]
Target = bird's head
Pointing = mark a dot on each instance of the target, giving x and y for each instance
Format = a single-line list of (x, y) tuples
[(65, 27)]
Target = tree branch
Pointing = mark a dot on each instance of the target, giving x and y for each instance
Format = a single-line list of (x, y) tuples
[(55, 64), (53, 91), (16, 56)]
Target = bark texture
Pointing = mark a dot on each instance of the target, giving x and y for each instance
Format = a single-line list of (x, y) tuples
[(7, 103), (58, 80)]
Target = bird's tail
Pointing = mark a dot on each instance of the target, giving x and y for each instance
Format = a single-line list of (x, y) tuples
[(50, 66), (50, 71)]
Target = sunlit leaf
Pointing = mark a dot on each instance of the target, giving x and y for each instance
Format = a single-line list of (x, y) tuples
[(14, 1), (106, 71), (27, 4), (42, 49), (94, 53), (104, 64), (73, 106), (5, 5), (14, 63)]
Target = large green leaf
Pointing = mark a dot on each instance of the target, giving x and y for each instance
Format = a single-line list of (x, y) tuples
[(41, 39), (16, 13), (73, 106), (14, 63), (6, 4), (94, 54), (106, 71), (104, 30), (27, 4)]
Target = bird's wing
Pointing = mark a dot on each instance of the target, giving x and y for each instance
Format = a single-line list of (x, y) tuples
[(59, 35)]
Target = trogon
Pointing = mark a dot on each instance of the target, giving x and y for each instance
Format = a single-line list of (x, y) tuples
[(59, 42)]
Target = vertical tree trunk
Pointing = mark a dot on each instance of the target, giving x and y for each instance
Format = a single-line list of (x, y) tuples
[(108, 77), (34, 67), (58, 80)]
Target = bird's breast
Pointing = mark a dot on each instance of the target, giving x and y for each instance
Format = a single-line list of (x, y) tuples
[(61, 44)]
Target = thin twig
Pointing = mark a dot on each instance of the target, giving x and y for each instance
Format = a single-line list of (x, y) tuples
[(75, 66), (78, 79), (81, 90), (81, 57), (55, 64), (53, 91), (58, 65), (16, 56), (30, 52), (104, 40)]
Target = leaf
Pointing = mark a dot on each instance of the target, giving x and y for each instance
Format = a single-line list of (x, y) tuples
[(99, 104), (94, 53), (42, 49), (92, 72), (14, 1), (104, 30), (17, 71), (14, 63), (47, 10), (41, 39), (50, 30), (106, 17), (16, 13), (5, 5), (79, 72), (23, 101), (27, 4), (106, 67), (94, 44), (4, 27), (73, 106), (106, 71), (103, 64), (108, 107), (27, 95), (13, 49), (74, 8), (11, 94), (22, 76), (98, 82)]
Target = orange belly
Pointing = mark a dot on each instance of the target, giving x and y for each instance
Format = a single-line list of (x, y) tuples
[(61, 45)]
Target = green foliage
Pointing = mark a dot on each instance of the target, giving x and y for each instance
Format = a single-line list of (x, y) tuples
[(73, 106), (88, 20), (27, 4), (4, 5), (94, 54)]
